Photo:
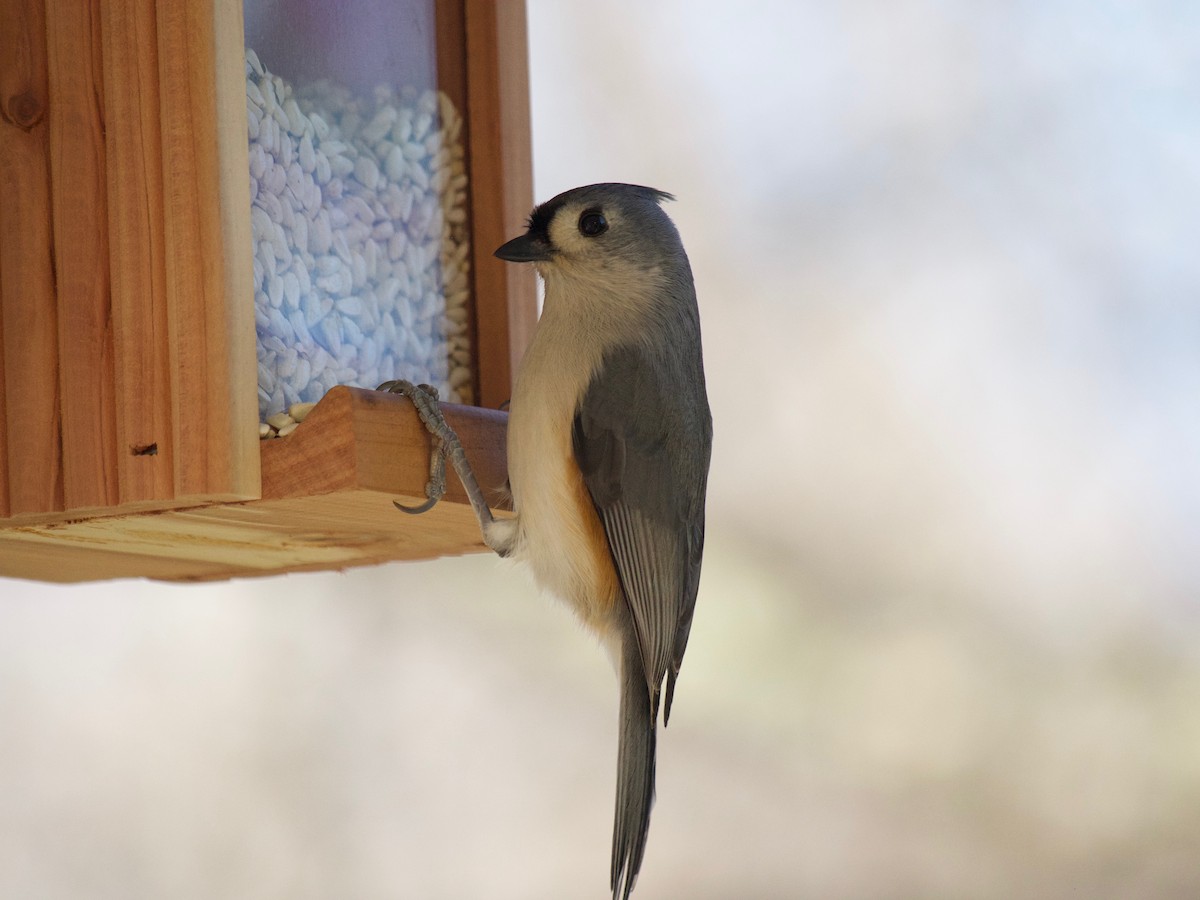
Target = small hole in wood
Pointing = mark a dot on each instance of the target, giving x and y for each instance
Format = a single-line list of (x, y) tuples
[(144, 449)]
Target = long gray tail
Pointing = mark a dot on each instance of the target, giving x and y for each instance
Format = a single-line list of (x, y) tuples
[(635, 770)]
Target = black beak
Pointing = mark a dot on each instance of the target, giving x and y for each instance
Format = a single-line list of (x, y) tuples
[(525, 248)]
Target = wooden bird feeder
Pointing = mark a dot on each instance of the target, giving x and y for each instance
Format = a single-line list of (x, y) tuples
[(138, 348)]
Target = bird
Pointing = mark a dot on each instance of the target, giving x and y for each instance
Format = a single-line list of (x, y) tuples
[(609, 442)]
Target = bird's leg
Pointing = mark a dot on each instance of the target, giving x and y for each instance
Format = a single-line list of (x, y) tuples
[(436, 486), (445, 443)]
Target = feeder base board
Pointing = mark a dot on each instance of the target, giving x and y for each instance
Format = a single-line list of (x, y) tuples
[(327, 499)]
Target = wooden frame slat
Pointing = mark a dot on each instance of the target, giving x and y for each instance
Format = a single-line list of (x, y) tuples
[(137, 252), (78, 192), (5, 506), (207, 235), (499, 154), (27, 297)]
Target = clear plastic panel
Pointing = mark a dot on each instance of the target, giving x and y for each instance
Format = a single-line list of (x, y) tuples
[(359, 203)]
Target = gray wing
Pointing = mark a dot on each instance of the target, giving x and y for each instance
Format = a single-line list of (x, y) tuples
[(642, 439)]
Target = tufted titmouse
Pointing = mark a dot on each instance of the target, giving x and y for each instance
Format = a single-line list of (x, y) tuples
[(609, 437)]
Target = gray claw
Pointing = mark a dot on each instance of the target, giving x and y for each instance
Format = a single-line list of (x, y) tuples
[(417, 510)]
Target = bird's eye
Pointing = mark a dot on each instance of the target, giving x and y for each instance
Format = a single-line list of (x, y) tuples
[(592, 223)]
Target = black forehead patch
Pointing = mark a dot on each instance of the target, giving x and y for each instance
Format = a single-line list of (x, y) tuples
[(540, 218)]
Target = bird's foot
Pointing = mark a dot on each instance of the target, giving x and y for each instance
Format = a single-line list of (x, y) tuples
[(425, 398), (445, 444)]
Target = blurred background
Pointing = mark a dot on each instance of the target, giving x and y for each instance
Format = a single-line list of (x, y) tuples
[(948, 636)]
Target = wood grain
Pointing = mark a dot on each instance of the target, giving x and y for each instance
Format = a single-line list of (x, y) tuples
[(77, 179), (356, 438), (327, 503), (353, 528), (502, 189), (137, 252), (5, 506), (450, 49), (33, 432), (234, 245), (207, 237)]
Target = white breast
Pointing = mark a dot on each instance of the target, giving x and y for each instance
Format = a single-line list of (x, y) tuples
[(557, 531), (552, 535)]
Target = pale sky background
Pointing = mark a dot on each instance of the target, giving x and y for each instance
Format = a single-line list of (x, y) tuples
[(948, 636)]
